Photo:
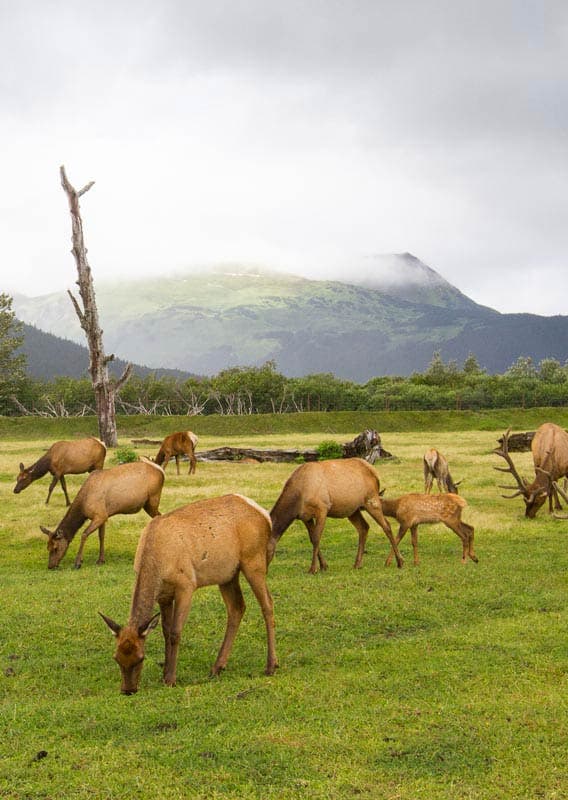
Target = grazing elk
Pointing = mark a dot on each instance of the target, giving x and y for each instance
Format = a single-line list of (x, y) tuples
[(120, 490), (176, 445), (201, 544), (549, 448), (336, 488), (412, 510), (63, 458), (436, 466)]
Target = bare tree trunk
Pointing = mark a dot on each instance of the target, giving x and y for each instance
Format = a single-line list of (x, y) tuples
[(105, 389)]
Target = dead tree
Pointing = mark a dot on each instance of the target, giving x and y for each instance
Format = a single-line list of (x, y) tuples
[(105, 389)]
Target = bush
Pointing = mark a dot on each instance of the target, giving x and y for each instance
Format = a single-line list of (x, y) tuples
[(125, 455), (329, 449)]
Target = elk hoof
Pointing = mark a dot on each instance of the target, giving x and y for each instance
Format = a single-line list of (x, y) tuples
[(77, 565)]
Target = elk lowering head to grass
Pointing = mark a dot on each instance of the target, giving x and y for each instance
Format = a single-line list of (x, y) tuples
[(549, 448), (412, 510), (336, 488), (63, 458), (206, 543), (120, 490), (436, 466), (176, 445)]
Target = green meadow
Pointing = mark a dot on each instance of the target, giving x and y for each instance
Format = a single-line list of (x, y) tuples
[(437, 681)]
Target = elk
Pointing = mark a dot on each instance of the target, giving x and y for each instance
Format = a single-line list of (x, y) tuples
[(63, 458), (549, 448), (176, 445), (201, 544), (436, 466), (412, 510), (120, 490), (336, 488)]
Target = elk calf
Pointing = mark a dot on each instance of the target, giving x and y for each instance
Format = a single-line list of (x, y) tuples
[(202, 544), (120, 490), (335, 488), (176, 445), (63, 458), (436, 466), (412, 510)]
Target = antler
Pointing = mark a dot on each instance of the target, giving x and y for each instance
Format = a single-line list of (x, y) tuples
[(503, 451)]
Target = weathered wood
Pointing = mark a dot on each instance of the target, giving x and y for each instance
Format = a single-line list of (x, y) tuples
[(367, 445), (519, 442), (105, 390)]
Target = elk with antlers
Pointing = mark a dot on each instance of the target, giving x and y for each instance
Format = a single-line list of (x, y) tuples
[(550, 456)]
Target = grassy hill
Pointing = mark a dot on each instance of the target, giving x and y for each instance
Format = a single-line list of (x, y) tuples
[(205, 322)]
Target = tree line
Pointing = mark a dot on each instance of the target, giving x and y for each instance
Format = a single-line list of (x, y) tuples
[(263, 389)]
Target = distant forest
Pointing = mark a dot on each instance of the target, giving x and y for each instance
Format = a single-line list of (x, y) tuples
[(257, 390)]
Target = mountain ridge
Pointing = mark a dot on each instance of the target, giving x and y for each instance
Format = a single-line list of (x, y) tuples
[(203, 322)]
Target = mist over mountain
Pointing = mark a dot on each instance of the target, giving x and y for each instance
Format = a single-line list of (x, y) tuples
[(390, 317)]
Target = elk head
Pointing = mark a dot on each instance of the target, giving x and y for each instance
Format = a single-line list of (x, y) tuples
[(534, 494), (23, 480), (57, 546), (129, 653)]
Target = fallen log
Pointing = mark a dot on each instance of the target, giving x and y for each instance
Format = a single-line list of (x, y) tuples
[(519, 442), (367, 445)]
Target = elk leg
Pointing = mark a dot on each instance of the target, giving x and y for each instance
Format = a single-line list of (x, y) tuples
[(93, 525), (52, 486), (166, 615), (235, 604), (101, 558), (414, 537), (315, 529), (166, 462), (192, 463), (401, 531), (177, 462), (428, 480), (182, 604), (469, 532), (64, 487), (151, 505), (255, 573), (375, 510), (459, 529), (362, 527)]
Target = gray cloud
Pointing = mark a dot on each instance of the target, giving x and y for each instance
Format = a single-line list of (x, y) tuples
[(291, 133)]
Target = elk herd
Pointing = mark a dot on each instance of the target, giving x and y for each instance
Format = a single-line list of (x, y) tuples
[(211, 542)]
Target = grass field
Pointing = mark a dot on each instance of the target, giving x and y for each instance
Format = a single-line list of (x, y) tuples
[(437, 681)]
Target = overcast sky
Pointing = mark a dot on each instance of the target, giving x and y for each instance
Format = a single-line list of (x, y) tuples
[(294, 134)]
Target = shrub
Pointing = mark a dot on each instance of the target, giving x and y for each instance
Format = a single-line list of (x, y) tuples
[(125, 455), (329, 449)]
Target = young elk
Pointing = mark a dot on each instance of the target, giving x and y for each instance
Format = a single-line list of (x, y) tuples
[(120, 490), (202, 544), (63, 458), (549, 448), (436, 466), (176, 445), (412, 510), (337, 488)]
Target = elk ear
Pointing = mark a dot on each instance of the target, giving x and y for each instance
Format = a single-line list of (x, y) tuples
[(381, 493), (45, 530), (149, 626), (114, 626), (22, 468)]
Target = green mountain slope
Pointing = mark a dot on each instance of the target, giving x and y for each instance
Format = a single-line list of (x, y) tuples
[(202, 323)]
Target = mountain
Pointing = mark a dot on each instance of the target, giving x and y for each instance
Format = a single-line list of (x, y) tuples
[(49, 356), (389, 319)]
